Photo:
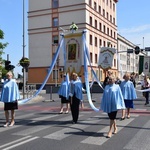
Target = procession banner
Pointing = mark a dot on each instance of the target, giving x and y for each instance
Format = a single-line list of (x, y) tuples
[(74, 53), (106, 57), (146, 65)]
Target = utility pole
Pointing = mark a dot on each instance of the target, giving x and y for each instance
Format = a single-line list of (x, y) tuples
[(24, 73)]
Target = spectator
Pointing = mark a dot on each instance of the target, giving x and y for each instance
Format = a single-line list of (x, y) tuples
[(106, 81), (146, 85)]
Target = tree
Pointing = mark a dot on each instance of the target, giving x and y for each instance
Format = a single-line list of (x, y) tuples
[(2, 47)]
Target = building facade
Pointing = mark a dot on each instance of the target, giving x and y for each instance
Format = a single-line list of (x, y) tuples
[(127, 62), (48, 19)]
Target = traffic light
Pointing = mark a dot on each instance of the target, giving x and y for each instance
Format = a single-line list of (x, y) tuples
[(7, 64), (11, 67), (137, 50)]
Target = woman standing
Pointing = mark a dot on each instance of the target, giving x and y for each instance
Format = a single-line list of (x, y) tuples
[(75, 96), (112, 101), (146, 85), (129, 94), (63, 93), (10, 95)]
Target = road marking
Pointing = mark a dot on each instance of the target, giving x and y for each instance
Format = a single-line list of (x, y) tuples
[(21, 143), (16, 141), (38, 128), (33, 121), (138, 142), (61, 134), (97, 139)]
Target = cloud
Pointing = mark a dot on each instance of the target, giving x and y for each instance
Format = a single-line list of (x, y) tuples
[(137, 29), (138, 35)]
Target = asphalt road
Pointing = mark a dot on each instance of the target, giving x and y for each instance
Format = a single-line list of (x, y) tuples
[(39, 126)]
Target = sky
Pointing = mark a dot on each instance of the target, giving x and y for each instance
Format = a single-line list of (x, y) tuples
[(132, 20)]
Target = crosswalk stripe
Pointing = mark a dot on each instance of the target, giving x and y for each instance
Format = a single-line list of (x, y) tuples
[(34, 120), (61, 134), (38, 128), (137, 143), (20, 143), (102, 139), (16, 141)]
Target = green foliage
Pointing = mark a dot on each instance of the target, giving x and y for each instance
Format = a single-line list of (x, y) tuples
[(2, 47)]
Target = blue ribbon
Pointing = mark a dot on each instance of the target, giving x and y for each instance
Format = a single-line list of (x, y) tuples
[(86, 75), (48, 75)]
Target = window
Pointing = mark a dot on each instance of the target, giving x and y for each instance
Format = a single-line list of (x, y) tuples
[(96, 41), (91, 21), (104, 30), (55, 39), (114, 35), (108, 31), (91, 57), (107, 16), (100, 26), (100, 9), (55, 22), (104, 44), (111, 33), (107, 2), (100, 42), (113, 7), (95, 58), (114, 62), (90, 2), (91, 41), (104, 12), (110, 4), (55, 3), (95, 6), (96, 24), (114, 20), (110, 18)]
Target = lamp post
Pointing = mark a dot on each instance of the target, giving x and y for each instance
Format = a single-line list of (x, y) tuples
[(24, 77)]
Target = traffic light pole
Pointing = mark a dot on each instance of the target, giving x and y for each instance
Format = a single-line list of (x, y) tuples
[(24, 72)]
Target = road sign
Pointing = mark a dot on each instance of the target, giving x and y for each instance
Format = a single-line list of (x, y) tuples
[(147, 49), (129, 50)]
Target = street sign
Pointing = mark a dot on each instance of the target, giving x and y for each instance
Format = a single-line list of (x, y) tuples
[(129, 50), (147, 49)]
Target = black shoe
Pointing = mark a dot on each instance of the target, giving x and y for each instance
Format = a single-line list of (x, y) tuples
[(74, 122), (146, 103), (122, 118)]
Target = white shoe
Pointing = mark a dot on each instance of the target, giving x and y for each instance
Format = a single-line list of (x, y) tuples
[(6, 125)]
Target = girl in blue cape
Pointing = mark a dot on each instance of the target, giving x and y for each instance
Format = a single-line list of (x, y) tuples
[(112, 101), (63, 93), (10, 95), (129, 94)]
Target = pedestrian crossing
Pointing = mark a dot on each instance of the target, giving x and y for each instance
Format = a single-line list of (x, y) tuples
[(86, 121)]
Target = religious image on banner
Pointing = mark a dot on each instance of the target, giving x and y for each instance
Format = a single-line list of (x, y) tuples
[(106, 57), (146, 65), (72, 51)]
